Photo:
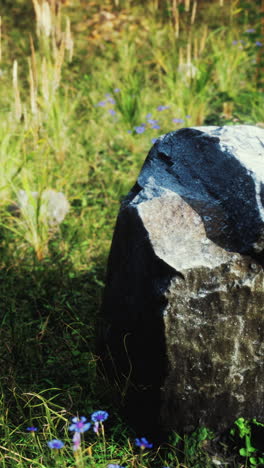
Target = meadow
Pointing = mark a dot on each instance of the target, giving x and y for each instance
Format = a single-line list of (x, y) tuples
[(85, 89)]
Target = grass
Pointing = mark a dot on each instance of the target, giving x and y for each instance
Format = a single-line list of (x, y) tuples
[(84, 92)]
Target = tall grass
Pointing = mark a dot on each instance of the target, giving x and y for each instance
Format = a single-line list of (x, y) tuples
[(85, 90)]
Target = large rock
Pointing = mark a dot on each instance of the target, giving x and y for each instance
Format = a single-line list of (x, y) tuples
[(183, 303)]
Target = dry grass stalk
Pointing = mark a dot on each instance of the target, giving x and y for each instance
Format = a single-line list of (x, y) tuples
[(46, 19), (68, 39), (176, 18), (53, 7), (33, 89), (195, 48), (204, 38), (181, 59), (228, 110), (18, 106), (189, 53), (187, 5), (43, 18), (59, 57), (57, 22), (33, 61), (45, 80), (37, 12), (194, 9)]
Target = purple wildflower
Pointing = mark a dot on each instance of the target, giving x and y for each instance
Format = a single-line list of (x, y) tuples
[(258, 44), (101, 104), (152, 121), (111, 100), (99, 416), (32, 429), (162, 108), (112, 111), (79, 424), (112, 465), (76, 441), (178, 121), (143, 443), (55, 444), (140, 129)]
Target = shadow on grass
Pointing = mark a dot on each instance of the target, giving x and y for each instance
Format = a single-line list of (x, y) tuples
[(48, 315)]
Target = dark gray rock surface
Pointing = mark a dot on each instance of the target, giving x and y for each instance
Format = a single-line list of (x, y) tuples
[(183, 303)]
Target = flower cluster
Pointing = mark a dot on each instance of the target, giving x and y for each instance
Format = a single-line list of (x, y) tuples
[(109, 102), (150, 124), (79, 426), (242, 43), (155, 124)]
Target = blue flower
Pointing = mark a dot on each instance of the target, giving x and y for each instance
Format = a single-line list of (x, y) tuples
[(178, 121), (112, 465), (79, 424), (162, 108), (32, 429), (143, 443), (99, 416), (101, 104), (140, 129), (111, 100), (55, 444), (152, 121)]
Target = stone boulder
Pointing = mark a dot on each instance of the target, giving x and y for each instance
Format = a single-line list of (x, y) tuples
[(183, 306)]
